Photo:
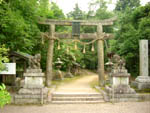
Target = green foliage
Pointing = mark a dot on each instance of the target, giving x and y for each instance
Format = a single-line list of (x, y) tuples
[(3, 57), (19, 28), (77, 13), (18, 25), (20, 31), (132, 26), (101, 12), (5, 97), (122, 5), (68, 57), (57, 13)]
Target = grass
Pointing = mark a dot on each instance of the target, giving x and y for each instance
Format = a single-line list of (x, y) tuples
[(93, 84), (147, 91)]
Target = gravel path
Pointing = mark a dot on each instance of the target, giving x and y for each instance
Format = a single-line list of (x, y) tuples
[(81, 85), (127, 107)]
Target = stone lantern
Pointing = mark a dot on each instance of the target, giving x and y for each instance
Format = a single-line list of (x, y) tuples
[(108, 65), (58, 64)]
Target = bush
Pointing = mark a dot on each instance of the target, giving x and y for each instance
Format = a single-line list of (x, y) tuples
[(5, 97)]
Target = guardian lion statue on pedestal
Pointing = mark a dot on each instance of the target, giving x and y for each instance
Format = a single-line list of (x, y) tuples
[(34, 62)]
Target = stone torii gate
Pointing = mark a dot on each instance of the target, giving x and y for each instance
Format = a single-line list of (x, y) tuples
[(99, 35)]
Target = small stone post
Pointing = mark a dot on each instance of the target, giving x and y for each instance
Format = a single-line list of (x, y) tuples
[(143, 81), (100, 46)]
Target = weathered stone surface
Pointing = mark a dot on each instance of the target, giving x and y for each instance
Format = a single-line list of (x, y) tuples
[(124, 99), (120, 89), (123, 89), (34, 71), (32, 91), (119, 79), (32, 96), (68, 75), (34, 78), (34, 82), (141, 85), (34, 74), (121, 71), (109, 96), (29, 101), (34, 61), (100, 53), (143, 57), (143, 81), (58, 75), (129, 97)]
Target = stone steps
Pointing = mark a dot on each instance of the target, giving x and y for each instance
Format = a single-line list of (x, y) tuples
[(77, 98), (77, 102), (76, 94)]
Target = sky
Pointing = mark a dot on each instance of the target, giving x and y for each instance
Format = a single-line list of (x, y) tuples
[(68, 5)]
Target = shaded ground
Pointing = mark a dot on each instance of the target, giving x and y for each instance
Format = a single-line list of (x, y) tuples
[(127, 107)]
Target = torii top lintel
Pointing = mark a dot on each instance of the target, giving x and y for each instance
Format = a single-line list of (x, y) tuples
[(97, 35), (82, 22)]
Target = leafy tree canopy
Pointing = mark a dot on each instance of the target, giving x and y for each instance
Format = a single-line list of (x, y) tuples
[(77, 13), (122, 5), (132, 26)]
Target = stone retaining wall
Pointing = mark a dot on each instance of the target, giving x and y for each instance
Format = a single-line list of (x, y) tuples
[(109, 97)]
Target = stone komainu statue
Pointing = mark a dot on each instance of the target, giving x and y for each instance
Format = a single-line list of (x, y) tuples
[(34, 62), (118, 62)]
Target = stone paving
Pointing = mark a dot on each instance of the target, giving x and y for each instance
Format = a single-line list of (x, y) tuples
[(123, 107)]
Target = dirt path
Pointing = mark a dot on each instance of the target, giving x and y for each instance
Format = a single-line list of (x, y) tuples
[(122, 107), (81, 85)]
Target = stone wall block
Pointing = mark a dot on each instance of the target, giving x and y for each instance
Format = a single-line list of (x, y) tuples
[(34, 71)]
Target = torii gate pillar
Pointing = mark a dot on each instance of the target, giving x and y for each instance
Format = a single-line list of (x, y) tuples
[(100, 51), (49, 66)]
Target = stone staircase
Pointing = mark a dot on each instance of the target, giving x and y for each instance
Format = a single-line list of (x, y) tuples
[(77, 98)]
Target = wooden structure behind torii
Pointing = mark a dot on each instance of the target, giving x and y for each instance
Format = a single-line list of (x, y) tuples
[(100, 36)]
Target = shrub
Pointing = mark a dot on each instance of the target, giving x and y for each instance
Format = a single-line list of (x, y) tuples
[(5, 97)]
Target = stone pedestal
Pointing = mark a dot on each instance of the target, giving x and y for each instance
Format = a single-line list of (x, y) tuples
[(58, 75), (33, 91), (119, 89), (69, 75), (34, 78), (143, 81), (120, 82)]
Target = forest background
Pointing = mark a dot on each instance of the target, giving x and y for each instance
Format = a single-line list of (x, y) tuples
[(20, 31)]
